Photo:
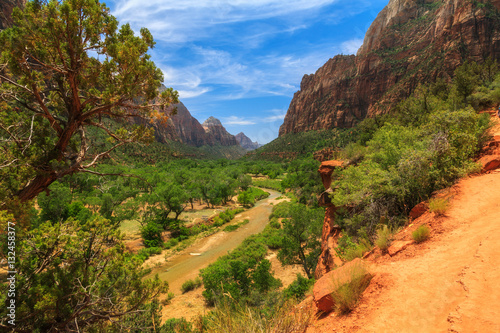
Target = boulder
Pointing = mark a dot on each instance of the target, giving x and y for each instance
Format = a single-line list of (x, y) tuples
[(490, 162), (419, 210), (330, 282), (398, 246)]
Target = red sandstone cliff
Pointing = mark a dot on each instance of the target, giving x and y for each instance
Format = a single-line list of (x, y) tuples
[(6, 7), (410, 42)]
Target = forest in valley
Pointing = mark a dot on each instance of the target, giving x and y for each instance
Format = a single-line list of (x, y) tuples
[(87, 197)]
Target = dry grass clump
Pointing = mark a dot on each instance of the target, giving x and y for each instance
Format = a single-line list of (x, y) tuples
[(421, 234), (438, 206), (346, 295), (384, 237), (231, 318)]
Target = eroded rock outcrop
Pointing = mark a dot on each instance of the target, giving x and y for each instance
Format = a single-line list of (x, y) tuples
[(331, 232), (410, 42)]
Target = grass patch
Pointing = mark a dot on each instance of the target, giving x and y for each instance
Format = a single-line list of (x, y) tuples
[(439, 206), (191, 285), (384, 237), (421, 234), (230, 228), (346, 295)]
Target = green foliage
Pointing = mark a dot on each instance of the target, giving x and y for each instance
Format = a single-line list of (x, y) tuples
[(175, 325), (421, 234), (145, 253), (55, 205), (298, 288), (152, 235), (427, 147), (51, 124), (191, 285), (348, 250), (295, 145), (301, 234), (76, 275), (251, 195), (238, 273), (273, 184)]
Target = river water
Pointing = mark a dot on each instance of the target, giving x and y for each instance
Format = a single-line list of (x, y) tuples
[(188, 263)]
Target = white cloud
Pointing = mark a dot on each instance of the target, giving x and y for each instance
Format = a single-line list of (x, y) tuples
[(234, 120), (351, 46)]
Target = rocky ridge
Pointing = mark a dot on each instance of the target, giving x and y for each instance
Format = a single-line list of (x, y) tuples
[(213, 127), (409, 42), (245, 142)]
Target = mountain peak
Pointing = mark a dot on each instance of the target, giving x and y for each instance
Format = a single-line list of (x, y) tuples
[(212, 121), (246, 142)]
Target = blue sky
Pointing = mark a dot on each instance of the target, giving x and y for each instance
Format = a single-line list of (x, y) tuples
[(241, 61)]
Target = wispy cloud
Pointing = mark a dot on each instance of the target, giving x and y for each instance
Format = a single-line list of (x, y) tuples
[(351, 46), (234, 120)]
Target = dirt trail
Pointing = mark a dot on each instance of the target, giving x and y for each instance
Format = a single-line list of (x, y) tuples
[(451, 283)]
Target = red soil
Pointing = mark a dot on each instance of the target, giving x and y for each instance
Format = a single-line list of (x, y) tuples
[(450, 283)]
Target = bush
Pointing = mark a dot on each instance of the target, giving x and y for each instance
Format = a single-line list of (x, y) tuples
[(298, 288), (421, 234), (171, 243), (145, 253), (230, 228), (191, 285), (346, 295), (384, 236), (438, 206), (151, 234)]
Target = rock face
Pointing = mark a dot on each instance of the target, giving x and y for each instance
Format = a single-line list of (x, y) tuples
[(328, 259), (246, 142), (409, 42), (6, 7), (183, 127), (214, 128)]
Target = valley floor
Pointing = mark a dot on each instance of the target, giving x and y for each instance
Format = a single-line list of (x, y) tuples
[(450, 283)]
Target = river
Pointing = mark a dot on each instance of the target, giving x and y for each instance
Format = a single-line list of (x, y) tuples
[(188, 263)]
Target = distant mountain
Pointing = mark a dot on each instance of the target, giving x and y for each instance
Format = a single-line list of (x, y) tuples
[(213, 127), (182, 127), (246, 142), (409, 43)]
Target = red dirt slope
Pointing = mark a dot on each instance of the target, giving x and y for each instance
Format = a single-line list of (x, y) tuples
[(450, 283)]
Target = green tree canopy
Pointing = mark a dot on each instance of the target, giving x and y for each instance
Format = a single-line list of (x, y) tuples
[(66, 71)]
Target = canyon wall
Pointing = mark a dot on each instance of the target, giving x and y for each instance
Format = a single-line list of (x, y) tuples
[(410, 42)]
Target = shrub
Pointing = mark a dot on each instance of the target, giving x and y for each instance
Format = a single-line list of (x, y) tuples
[(168, 299), (145, 253), (438, 206), (151, 234), (298, 288), (421, 234), (346, 295), (191, 285), (230, 228), (171, 243), (384, 236)]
